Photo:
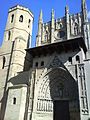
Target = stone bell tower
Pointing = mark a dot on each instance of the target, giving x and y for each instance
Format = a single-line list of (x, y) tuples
[(19, 24), (17, 38), (19, 32)]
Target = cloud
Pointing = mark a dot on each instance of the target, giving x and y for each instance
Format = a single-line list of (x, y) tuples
[(89, 14)]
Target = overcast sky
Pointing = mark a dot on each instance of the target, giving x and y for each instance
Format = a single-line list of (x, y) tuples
[(35, 6)]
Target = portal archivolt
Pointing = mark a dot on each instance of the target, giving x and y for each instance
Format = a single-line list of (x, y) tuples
[(55, 85)]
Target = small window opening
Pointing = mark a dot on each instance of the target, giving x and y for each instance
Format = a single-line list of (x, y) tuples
[(36, 64), (70, 59), (46, 36), (60, 25), (21, 18), (78, 58), (14, 100), (3, 62), (42, 63), (29, 23), (76, 28), (12, 18), (9, 35)]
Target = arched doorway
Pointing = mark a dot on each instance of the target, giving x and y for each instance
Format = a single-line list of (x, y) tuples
[(53, 93)]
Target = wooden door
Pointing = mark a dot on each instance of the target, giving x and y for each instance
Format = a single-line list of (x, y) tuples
[(61, 110)]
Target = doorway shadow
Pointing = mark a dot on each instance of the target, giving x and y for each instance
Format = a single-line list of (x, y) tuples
[(64, 94)]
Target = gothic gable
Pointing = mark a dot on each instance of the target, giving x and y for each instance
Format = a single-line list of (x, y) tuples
[(56, 62)]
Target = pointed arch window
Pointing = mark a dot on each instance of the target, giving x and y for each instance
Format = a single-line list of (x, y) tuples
[(4, 60), (70, 59), (9, 35), (61, 25), (76, 28), (46, 36), (12, 18), (78, 58), (29, 22), (21, 18)]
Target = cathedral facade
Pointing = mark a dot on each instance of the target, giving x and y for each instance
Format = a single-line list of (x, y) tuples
[(49, 81)]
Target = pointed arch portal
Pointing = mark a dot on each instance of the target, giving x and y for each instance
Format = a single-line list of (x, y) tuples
[(55, 93)]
